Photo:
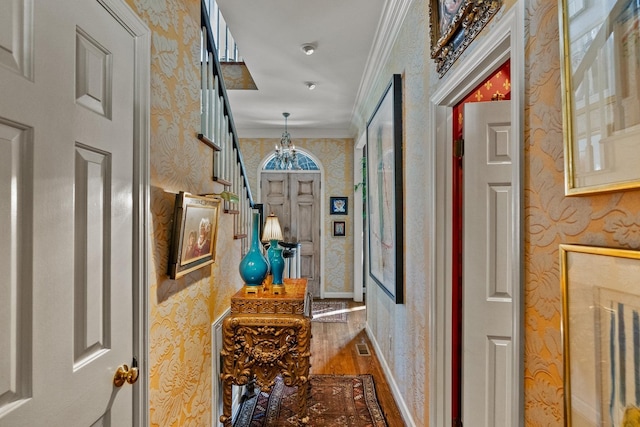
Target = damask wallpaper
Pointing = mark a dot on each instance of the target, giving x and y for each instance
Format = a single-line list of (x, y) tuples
[(181, 311), (336, 158), (550, 217)]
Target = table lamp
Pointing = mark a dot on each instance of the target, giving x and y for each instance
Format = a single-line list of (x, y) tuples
[(273, 233)]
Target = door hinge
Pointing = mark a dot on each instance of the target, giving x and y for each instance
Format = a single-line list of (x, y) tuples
[(458, 148)]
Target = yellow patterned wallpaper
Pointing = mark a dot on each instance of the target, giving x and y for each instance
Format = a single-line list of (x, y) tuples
[(236, 75), (181, 311), (550, 217), (336, 157)]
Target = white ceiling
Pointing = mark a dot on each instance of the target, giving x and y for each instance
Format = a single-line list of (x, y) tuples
[(270, 33)]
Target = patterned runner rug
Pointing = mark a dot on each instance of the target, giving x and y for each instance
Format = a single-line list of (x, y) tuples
[(330, 311), (336, 400)]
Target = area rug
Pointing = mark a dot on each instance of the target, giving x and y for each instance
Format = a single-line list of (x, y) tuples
[(329, 311), (336, 400)]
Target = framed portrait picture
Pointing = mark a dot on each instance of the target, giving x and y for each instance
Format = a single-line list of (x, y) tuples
[(601, 335), (385, 191), (600, 98), (339, 205), (195, 229), (339, 229), (454, 25)]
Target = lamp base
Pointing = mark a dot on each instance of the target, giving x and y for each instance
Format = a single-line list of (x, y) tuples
[(277, 289)]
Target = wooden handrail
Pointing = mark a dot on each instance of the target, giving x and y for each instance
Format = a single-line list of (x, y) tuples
[(211, 47)]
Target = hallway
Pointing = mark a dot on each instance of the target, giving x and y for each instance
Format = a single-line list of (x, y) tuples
[(335, 350)]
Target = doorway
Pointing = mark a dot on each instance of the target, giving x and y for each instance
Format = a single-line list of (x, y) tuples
[(504, 43), (295, 198)]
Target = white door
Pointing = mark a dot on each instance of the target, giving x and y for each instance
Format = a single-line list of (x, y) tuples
[(67, 209), (487, 377), (295, 198)]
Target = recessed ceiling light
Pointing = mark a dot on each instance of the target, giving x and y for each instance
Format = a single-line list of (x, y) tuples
[(308, 48), (310, 85)]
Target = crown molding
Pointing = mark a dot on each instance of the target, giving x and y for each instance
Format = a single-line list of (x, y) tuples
[(391, 20)]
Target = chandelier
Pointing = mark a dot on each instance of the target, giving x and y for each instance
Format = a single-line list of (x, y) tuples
[(286, 156)]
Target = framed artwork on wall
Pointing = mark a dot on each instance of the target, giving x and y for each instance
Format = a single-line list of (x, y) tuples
[(454, 25), (339, 229), (194, 235), (339, 205), (601, 335), (385, 192), (600, 48)]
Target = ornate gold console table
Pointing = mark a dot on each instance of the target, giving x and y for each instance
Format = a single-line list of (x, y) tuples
[(268, 335)]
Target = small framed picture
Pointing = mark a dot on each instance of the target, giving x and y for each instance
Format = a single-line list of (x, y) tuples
[(195, 226), (339, 229), (339, 205)]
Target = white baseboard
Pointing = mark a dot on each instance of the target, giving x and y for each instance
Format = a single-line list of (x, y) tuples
[(342, 295), (402, 405)]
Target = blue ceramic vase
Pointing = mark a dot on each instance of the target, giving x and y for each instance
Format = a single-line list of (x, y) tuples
[(254, 266), (276, 262)]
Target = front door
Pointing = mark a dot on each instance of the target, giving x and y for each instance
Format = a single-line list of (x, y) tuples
[(295, 198), (487, 376), (67, 209)]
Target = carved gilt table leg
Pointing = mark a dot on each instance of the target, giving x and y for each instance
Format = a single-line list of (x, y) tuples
[(265, 346)]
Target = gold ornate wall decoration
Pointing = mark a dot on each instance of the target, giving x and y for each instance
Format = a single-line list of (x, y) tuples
[(454, 24)]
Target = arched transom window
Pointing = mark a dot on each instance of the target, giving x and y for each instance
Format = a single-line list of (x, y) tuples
[(305, 162)]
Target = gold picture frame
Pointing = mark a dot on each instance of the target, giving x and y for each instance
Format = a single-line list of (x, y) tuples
[(195, 231), (600, 334), (454, 24), (600, 45)]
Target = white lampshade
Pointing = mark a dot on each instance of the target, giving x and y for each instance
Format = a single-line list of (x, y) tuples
[(272, 230)]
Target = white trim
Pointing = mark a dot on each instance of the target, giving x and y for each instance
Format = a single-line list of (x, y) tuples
[(505, 40), (386, 34), (299, 132), (395, 390), (142, 72), (358, 223), (216, 369)]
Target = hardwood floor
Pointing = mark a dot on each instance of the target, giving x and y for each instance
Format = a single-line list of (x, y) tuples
[(334, 350)]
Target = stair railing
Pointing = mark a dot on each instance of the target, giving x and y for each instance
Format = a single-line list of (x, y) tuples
[(218, 131)]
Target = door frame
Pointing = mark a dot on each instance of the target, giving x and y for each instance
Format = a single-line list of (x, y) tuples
[(261, 170), (505, 41), (141, 198)]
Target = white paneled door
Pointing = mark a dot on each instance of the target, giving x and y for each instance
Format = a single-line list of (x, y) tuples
[(67, 246), (487, 376)]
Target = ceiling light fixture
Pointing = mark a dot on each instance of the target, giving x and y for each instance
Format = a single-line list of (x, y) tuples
[(310, 85), (308, 48), (286, 156)]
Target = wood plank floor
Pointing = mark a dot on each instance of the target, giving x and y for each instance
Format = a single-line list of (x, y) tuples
[(334, 350)]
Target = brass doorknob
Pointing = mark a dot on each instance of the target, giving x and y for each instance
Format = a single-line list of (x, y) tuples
[(125, 374)]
